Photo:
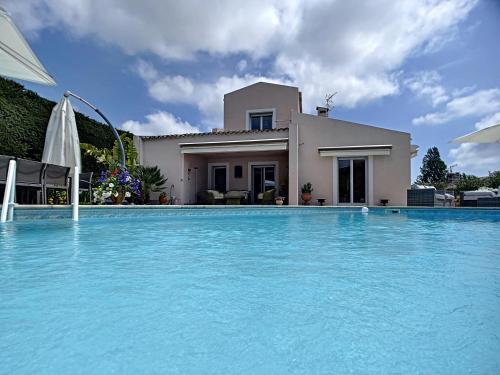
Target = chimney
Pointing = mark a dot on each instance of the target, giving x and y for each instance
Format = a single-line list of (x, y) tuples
[(322, 111)]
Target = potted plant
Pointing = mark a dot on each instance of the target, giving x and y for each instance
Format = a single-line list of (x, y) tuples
[(163, 198), (152, 181), (117, 186), (306, 193)]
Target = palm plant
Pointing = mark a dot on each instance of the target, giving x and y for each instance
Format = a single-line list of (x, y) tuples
[(152, 181)]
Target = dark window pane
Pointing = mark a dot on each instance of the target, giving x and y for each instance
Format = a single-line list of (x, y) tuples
[(257, 182), (267, 122), (219, 179), (344, 181), (255, 122), (269, 182), (238, 171), (358, 181)]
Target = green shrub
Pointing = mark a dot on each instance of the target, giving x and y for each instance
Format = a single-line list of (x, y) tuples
[(24, 116)]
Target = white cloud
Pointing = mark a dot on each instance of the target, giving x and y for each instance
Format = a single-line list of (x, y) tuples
[(242, 65), (206, 96), (488, 121), (477, 159), (159, 123), (321, 46), (480, 103), (427, 84)]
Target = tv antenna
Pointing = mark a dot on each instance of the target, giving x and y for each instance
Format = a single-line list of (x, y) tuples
[(329, 100)]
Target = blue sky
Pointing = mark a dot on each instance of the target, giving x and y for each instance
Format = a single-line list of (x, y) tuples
[(425, 67)]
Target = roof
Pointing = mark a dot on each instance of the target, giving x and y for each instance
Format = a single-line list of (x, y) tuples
[(261, 83), (230, 132)]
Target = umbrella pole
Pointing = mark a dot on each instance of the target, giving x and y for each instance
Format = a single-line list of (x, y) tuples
[(115, 133), (9, 195), (75, 196)]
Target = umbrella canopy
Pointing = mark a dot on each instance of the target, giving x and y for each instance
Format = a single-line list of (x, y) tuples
[(486, 135), (17, 60), (62, 145)]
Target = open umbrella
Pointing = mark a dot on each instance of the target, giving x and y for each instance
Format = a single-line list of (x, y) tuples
[(17, 60), (487, 135)]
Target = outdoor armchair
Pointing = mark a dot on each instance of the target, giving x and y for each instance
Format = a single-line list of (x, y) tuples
[(267, 197)]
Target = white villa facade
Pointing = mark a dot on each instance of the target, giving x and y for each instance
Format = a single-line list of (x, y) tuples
[(268, 145)]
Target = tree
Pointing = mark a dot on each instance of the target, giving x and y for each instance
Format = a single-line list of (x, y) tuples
[(469, 183), (494, 179), (433, 168)]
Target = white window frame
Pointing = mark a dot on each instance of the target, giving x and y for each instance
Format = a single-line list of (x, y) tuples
[(252, 164), (368, 181), (210, 172), (260, 111)]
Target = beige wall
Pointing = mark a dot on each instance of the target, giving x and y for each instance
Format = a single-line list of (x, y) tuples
[(391, 174), (261, 95), (165, 152)]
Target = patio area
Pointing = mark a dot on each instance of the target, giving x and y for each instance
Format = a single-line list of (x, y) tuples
[(235, 177)]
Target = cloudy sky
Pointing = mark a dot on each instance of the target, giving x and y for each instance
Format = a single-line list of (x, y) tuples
[(428, 67)]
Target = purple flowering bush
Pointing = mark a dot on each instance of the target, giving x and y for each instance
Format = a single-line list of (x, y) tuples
[(117, 185)]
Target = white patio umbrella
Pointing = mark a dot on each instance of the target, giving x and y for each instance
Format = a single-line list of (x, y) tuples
[(17, 60), (62, 145), (487, 135)]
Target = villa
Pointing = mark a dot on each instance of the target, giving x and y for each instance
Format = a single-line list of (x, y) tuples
[(268, 145)]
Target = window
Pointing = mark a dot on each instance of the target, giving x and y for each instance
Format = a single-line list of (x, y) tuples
[(219, 178), (261, 121), (238, 171)]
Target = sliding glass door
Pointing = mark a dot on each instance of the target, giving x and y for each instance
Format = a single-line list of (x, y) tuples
[(351, 181), (263, 179), (219, 178)]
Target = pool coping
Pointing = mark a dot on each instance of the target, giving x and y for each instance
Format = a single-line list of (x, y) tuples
[(227, 206), (26, 213)]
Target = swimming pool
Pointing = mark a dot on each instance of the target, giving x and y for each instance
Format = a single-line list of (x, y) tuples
[(252, 291)]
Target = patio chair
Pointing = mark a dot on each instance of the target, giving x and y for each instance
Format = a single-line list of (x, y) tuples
[(55, 177), (86, 183), (210, 197), (236, 197), (29, 174), (266, 197)]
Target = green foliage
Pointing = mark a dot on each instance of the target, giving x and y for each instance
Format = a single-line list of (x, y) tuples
[(109, 159), (468, 183), (152, 181), (471, 182), (307, 188), (494, 179), (433, 170), (24, 117)]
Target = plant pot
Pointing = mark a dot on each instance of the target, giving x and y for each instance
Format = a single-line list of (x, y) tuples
[(306, 197), (279, 201), (163, 200), (119, 199)]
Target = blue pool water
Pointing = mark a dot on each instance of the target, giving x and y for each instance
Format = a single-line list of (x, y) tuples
[(252, 292)]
